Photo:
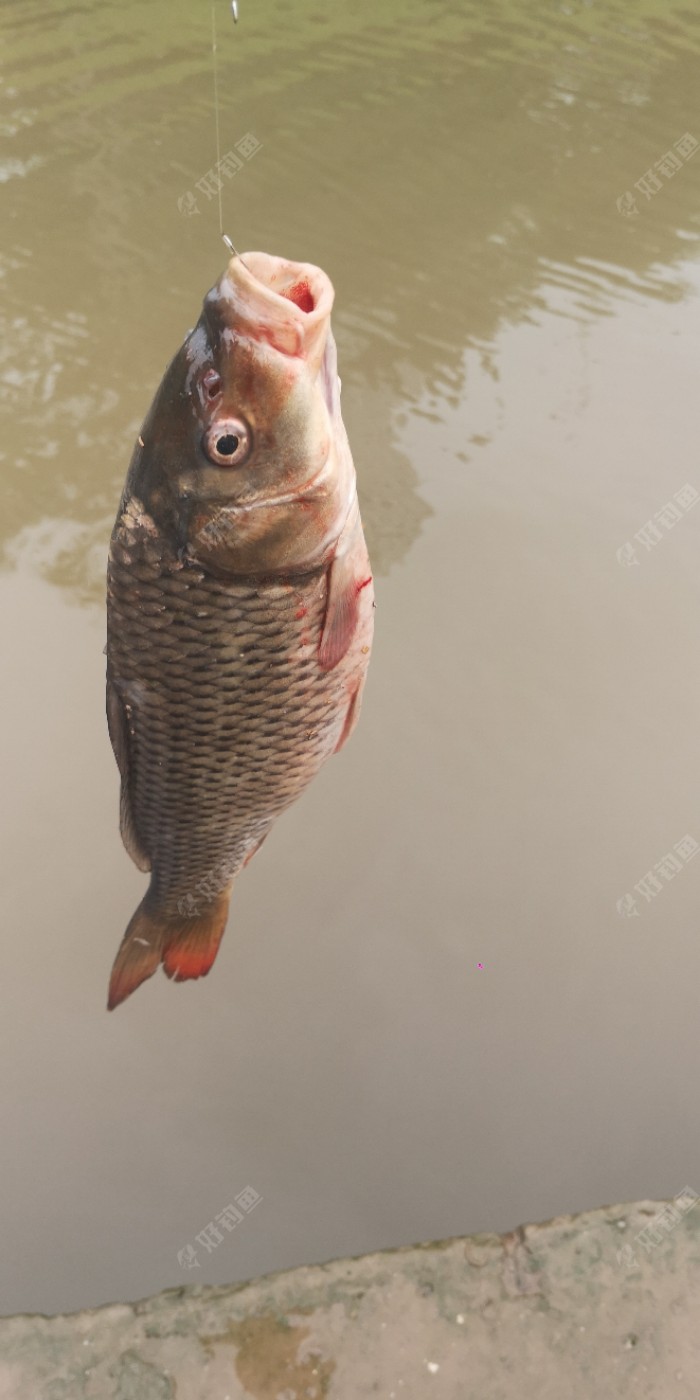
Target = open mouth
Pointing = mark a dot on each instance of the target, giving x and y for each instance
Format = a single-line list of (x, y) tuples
[(271, 298), (286, 305), (300, 293), (302, 284)]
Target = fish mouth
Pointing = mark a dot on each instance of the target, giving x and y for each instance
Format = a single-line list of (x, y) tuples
[(305, 285), (288, 304)]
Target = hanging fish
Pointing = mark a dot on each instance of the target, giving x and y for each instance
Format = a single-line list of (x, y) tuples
[(240, 604)]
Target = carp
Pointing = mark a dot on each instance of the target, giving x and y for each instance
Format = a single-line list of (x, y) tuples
[(239, 604)]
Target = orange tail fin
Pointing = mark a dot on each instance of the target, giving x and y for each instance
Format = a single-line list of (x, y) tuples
[(186, 945)]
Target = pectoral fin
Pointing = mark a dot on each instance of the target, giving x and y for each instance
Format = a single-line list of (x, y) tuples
[(348, 576)]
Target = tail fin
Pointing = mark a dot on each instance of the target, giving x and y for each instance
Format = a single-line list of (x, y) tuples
[(186, 945)]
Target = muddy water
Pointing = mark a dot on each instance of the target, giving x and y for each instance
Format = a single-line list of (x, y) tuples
[(429, 1014)]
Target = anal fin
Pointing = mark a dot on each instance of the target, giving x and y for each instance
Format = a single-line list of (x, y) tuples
[(351, 717)]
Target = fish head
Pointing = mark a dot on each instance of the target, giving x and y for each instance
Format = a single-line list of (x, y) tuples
[(245, 461)]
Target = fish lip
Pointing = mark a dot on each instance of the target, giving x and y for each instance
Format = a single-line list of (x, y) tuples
[(256, 272), (247, 299)]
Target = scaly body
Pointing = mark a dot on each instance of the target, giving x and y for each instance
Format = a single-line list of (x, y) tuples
[(229, 714)]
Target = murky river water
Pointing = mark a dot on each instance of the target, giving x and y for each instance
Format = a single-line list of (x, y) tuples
[(435, 1009)]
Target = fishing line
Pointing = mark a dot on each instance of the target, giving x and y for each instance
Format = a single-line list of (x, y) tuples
[(215, 65), (216, 115)]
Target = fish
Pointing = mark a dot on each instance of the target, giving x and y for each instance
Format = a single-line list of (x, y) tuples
[(240, 604)]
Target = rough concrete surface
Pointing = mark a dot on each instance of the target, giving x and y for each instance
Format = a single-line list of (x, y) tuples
[(577, 1307)]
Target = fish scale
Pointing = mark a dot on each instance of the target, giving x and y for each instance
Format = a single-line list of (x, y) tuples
[(214, 797)]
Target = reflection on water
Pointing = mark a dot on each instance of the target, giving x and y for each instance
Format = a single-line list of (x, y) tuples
[(517, 356)]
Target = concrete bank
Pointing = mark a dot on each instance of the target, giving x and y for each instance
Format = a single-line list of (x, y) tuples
[(583, 1306)]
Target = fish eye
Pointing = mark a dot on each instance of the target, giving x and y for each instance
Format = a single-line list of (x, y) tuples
[(228, 442), (211, 384)]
